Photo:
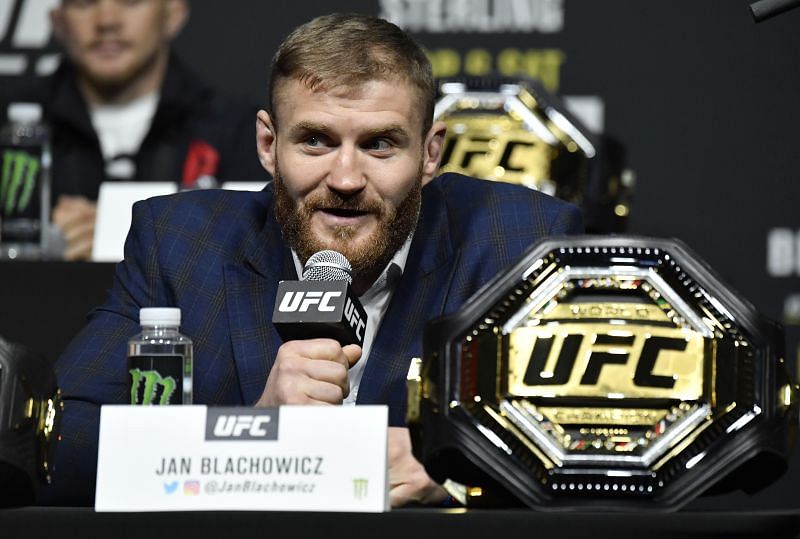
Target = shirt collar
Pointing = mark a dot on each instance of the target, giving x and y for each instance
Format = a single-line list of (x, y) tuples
[(388, 277)]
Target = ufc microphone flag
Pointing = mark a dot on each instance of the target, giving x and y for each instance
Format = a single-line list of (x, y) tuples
[(313, 309), (322, 304)]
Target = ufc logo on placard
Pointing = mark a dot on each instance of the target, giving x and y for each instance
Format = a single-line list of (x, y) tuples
[(236, 425), (224, 423), (301, 301)]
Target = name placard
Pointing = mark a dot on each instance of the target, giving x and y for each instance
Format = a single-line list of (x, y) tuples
[(293, 458), (114, 214)]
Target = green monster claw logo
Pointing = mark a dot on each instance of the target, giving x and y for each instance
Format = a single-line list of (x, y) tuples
[(151, 380), (360, 488), (20, 170)]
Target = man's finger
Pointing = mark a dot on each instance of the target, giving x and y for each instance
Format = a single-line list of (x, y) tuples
[(353, 353), (66, 217), (401, 495), (78, 232), (80, 238), (322, 349), (331, 372), (81, 250), (324, 392)]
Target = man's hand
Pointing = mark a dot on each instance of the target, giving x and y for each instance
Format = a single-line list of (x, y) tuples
[(408, 480), (310, 371), (75, 217)]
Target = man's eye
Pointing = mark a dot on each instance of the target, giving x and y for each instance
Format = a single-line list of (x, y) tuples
[(379, 144), (314, 141)]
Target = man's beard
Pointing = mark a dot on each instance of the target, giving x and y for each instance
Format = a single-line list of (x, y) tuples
[(373, 253)]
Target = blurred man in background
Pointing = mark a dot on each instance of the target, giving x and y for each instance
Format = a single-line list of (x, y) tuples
[(122, 106)]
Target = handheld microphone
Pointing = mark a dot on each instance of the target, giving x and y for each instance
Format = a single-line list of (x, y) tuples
[(321, 304)]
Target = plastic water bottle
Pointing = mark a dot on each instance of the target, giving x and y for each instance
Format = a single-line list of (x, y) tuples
[(25, 160), (160, 359)]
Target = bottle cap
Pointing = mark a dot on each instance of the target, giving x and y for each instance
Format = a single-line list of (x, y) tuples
[(24, 113), (160, 316)]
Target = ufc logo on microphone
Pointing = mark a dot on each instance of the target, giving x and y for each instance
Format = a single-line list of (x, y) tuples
[(354, 319), (225, 423), (301, 301)]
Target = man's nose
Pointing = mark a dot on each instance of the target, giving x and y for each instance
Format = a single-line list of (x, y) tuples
[(347, 173), (108, 14)]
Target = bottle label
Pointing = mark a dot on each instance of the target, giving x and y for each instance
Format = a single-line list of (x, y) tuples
[(156, 380), (20, 194)]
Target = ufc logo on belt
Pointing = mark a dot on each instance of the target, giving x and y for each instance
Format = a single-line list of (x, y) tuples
[(598, 360)]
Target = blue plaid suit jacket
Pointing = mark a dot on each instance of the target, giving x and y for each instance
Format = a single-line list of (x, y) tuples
[(219, 256)]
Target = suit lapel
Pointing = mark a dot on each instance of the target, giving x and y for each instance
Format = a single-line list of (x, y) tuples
[(420, 294), (250, 288)]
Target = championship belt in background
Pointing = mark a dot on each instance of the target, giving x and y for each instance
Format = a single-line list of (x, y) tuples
[(517, 132), (610, 373), (30, 418)]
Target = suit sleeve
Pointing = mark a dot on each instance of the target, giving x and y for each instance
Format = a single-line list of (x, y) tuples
[(568, 220), (93, 369)]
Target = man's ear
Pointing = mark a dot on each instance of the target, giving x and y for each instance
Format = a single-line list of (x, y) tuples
[(432, 151), (265, 141), (176, 12)]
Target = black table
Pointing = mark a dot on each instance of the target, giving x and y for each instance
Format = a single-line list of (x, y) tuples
[(405, 523)]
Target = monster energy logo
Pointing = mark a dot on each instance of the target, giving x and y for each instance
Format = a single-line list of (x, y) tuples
[(18, 181), (152, 381), (359, 489)]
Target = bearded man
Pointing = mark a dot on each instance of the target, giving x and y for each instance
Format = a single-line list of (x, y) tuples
[(351, 144)]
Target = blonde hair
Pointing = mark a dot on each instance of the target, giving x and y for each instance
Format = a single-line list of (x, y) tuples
[(348, 50)]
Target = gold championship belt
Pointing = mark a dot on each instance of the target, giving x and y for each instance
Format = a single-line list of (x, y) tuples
[(517, 132), (30, 424), (603, 373)]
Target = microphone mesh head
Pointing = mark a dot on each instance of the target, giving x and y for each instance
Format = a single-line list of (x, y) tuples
[(327, 266)]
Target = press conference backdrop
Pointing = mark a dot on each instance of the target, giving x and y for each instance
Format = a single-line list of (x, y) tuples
[(705, 102)]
